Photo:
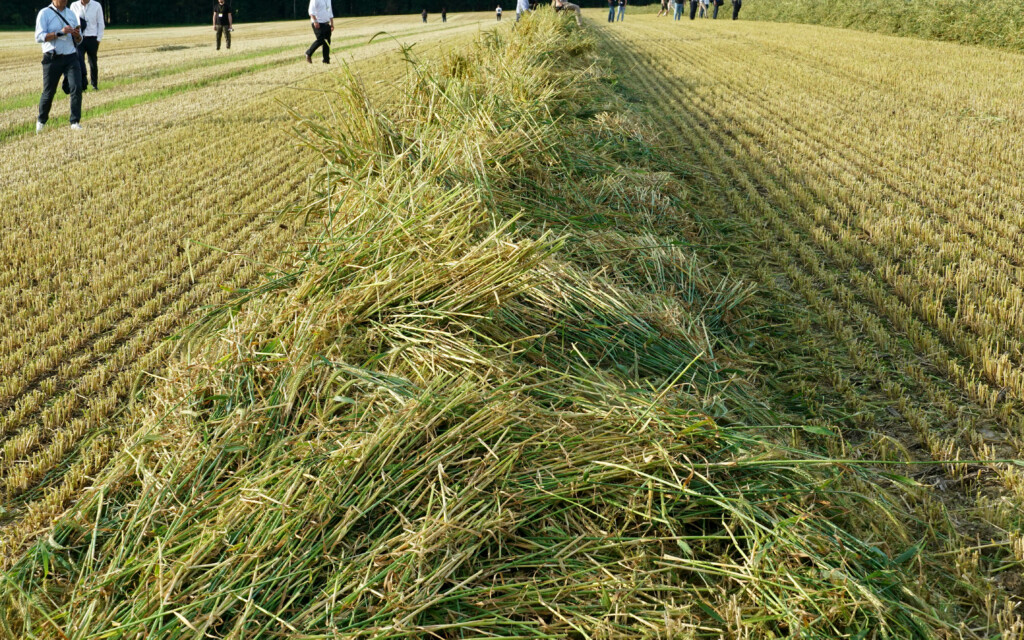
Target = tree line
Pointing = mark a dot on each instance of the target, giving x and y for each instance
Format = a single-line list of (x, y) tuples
[(132, 12)]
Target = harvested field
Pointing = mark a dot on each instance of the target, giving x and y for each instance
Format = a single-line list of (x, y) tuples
[(880, 211), (121, 234), (654, 329)]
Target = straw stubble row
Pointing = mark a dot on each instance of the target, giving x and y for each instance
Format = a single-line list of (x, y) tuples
[(826, 215)]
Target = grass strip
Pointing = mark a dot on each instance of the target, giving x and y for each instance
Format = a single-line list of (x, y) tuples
[(995, 23), (20, 130), (31, 98), (17, 131)]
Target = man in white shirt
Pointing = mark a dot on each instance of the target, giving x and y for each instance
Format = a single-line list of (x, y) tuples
[(321, 14), (90, 17), (57, 30)]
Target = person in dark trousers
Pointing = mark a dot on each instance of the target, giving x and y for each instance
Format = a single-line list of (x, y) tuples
[(90, 19), (424, 15), (222, 21), (664, 8), (444, 14), (611, 9), (736, 6), (717, 3), (693, 8), (321, 14), (57, 29)]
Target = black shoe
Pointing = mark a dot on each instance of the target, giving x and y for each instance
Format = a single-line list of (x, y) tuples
[(309, 58)]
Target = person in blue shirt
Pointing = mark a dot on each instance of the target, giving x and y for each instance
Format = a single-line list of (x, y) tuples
[(57, 30)]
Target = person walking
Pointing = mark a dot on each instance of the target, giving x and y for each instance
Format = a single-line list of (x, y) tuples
[(321, 14), (57, 30), (90, 20), (736, 6), (664, 8), (622, 10), (522, 6), (693, 8), (679, 10), (612, 4), (565, 4), (222, 21), (702, 10), (444, 14), (716, 3), (497, 12), (424, 16)]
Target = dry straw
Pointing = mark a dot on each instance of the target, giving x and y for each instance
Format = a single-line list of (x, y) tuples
[(480, 405)]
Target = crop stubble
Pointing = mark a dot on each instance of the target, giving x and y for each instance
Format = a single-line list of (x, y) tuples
[(885, 209)]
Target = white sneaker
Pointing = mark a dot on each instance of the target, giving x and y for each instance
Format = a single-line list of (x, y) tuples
[(76, 126), (39, 127)]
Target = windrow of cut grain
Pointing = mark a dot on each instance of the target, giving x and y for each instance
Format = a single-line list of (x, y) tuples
[(461, 415)]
